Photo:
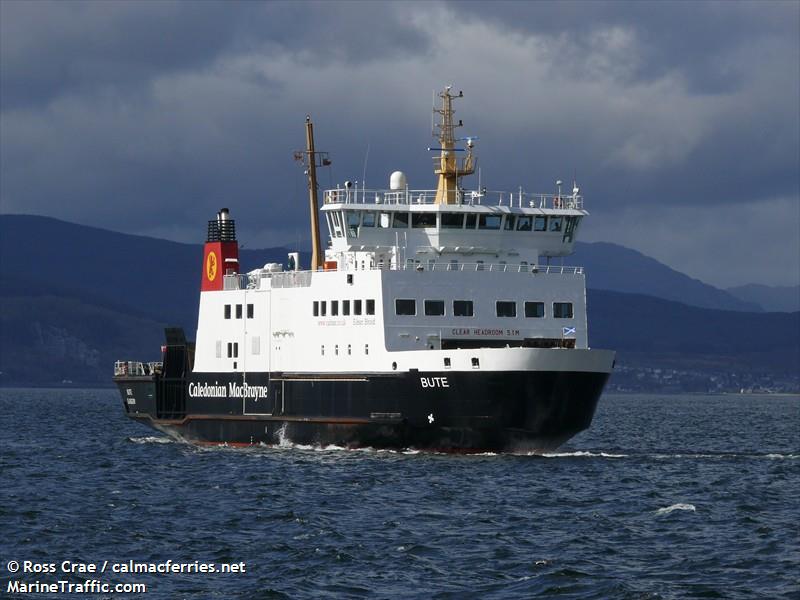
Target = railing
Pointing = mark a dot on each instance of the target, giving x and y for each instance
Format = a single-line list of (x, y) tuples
[(520, 198), (136, 368)]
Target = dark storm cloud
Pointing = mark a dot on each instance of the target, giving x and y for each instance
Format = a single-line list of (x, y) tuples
[(147, 117)]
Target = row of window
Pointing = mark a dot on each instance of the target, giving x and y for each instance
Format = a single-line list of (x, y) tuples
[(250, 311), (336, 349), (320, 307), (353, 219), (464, 308)]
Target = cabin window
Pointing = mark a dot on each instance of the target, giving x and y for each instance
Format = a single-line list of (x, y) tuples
[(233, 350), (323, 308), (452, 221), (250, 311), (540, 223), (334, 308), (453, 266), (230, 350), (345, 307), (510, 220), (524, 222), (555, 223), (348, 350), (353, 220), (336, 349), (255, 343), (219, 348), (356, 307), (506, 308), (238, 311), (368, 219), (562, 310), (476, 363), (366, 348), (489, 221), (405, 307), (534, 310), (316, 308), (479, 265), (446, 362), (523, 266), (322, 350), (434, 308), (227, 311), (384, 220), (400, 220), (370, 307), (462, 308), (471, 219), (423, 220)]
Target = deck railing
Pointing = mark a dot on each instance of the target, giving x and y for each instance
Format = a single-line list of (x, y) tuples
[(135, 368), (519, 199)]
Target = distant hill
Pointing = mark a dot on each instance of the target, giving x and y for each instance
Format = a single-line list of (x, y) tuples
[(612, 267), (771, 298)]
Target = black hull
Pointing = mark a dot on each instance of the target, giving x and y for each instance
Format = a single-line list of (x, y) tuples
[(448, 411)]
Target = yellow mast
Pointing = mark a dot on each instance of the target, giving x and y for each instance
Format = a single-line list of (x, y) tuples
[(446, 165), (309, 159)]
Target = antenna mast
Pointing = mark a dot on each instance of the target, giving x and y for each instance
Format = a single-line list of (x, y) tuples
[(311, 160), (449, 169)]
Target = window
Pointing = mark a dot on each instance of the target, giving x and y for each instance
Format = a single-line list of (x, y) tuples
[(472, 218), (384, 219), (489, 221), (233, 350), (479, 265), (336, 350), (400, 220), (370, 307), (405, 307), (322, 350), (462, 308), (540, 223), (238, 311), (452, 221), (510, 219), (524, 223), (353, 220), (230, 350), (506, 308), (255, 345), (453, 266), (569, 228), (334, 308), (523, 266), (368, 219), (219, 348), (562, 310), (434, 308), (348, 350), (476, 363), (316, 308), (534, 310), (345, 307), (356, 307), (250, 311), (323, 308), (366, 348), (423, 220), (227, 311), (446, 362), (555, 223)]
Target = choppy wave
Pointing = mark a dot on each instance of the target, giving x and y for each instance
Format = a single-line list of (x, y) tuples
[(151, 439), (679, 506), (580, 453)]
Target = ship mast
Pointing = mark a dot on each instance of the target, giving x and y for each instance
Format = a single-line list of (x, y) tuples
[(447, 166), (311, 160)]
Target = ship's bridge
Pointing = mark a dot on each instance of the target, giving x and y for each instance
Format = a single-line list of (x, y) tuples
[(506, 225)]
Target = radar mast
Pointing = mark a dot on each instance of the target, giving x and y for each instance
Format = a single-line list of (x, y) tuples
[(447, 166)]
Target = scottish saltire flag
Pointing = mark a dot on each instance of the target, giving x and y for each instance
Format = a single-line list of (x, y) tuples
[(567, 331)]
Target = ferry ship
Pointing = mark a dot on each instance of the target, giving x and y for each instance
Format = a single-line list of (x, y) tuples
[(433, 320)]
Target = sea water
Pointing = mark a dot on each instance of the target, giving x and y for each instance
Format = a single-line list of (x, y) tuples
[(664, 497)]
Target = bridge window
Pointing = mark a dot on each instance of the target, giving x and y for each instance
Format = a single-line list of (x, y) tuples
[(227, 311), (569, 228), (405, 307), (316, 308), (370, 307), (250, 310), (452, 221), (400, 220), (423, 220), (506, 308), (345, 307), (555, 223), (524, 222), (356, 307), (334, 308), (562, 310), (368, 219), (540, 223), (489, 221), (434, 308), (238, 311), (353, 219), (462, 308), (534, 310), (384, 220), (472, 219), (510, 220)]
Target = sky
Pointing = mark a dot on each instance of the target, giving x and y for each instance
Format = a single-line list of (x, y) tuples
[(679, 121)]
